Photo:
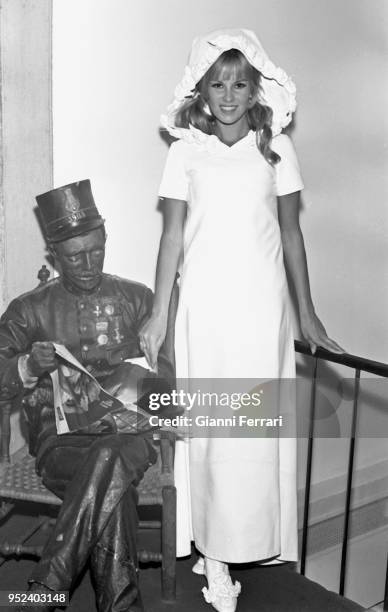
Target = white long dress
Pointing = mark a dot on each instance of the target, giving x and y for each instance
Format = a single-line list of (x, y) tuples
[(236, 496)]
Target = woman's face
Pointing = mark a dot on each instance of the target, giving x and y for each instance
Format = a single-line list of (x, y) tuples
[(229, 95)]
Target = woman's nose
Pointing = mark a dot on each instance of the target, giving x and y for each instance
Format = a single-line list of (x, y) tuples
[(228, 93)]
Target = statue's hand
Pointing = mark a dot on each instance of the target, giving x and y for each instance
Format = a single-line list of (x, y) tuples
[(42, 358)]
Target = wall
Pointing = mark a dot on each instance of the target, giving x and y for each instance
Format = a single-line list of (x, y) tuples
[(25, 149), (25, 146)]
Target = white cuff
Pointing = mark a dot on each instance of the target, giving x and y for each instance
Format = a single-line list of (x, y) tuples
[(29, 382)]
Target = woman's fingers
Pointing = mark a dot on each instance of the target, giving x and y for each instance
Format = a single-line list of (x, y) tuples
[(150, 347), (315, 334), (147, 354), (331, 345), (153, 353), (326, 343), (151, 338), (146, 347)]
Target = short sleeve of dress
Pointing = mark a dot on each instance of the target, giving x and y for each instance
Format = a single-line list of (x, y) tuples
[(288, 177), (174, 182)]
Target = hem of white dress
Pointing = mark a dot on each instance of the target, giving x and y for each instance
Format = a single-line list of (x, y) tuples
[(271, 558)]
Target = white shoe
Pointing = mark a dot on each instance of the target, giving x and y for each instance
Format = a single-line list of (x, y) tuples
[(199, 567), (222, 593)]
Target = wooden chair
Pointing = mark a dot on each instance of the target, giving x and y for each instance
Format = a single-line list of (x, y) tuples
[(19, 482)]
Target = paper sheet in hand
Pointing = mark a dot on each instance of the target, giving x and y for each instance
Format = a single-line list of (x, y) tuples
[(82, 405), (141, 361)]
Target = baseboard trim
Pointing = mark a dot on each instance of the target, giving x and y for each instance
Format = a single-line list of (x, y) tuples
[(369, 507)]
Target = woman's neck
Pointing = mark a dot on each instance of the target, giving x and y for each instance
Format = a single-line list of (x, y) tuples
[(230, 134)]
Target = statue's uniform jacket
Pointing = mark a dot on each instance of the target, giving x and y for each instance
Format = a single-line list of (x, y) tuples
[(100, 329)]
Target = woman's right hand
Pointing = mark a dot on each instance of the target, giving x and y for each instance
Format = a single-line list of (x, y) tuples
[(151, 338), (153, 332)]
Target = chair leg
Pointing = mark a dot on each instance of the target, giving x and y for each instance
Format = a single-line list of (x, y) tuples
[(5, 431), (169, 544)]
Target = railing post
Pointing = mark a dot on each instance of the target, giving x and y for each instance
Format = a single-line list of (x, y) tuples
[(352, 444), (308, 470), (386, 589)]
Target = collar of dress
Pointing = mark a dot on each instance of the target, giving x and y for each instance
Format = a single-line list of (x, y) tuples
[(211, 142)]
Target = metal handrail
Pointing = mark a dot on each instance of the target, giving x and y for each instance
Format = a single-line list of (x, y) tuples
[(346, 359), (359, 364)]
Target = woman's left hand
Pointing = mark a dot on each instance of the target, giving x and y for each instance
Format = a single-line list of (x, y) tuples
[(314, 332)]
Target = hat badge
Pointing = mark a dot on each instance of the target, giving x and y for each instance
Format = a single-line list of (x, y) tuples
[(72, 205)]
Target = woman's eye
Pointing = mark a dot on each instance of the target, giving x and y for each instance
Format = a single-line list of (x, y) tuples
[(241, 85), (216, 85)]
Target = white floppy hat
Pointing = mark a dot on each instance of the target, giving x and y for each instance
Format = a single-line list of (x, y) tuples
[(277, 89)]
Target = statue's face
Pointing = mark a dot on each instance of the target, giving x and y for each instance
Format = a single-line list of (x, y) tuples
[(82, 260)]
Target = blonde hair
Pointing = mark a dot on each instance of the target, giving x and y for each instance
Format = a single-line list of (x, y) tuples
[(194, 110)]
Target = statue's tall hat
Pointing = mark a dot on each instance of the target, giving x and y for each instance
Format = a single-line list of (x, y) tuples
[(68, 211)]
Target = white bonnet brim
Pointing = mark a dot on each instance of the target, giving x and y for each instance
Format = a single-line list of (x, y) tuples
[(277, 89)]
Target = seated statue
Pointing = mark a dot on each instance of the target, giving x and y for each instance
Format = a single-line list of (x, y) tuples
[(97, 317)]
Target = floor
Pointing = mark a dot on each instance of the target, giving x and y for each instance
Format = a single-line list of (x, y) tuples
[(265, 589)]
